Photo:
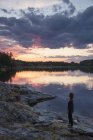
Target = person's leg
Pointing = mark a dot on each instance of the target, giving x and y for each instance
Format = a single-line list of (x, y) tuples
[(70, 118)]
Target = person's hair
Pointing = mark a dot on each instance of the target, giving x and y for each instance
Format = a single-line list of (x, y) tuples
[(71, 95)]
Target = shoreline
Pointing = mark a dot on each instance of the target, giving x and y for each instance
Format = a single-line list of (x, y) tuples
[(20, 120)]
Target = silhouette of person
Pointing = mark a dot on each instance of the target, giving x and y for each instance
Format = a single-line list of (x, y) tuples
[(70, 109)]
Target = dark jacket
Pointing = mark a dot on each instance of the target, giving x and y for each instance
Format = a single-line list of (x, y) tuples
[(70, 106)]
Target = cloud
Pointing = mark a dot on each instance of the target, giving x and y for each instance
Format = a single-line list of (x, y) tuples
[(72, 8), (52, 31), (4, 10), (57, 8), (18, 4), (9, 12), (66, 1), (60, 7)]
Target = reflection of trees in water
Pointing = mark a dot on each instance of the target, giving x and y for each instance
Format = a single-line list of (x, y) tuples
[(41, 68), (87, 69), (63, 68), (7, 75)]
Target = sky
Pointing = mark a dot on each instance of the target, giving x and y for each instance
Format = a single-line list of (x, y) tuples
[(47, 30)]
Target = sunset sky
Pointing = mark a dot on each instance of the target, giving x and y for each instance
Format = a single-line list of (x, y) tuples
[(47, 30)]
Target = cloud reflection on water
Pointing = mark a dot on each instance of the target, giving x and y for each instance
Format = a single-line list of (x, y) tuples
[(68, 78)]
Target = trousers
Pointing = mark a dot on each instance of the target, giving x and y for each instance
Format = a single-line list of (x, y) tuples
[(70, 118)]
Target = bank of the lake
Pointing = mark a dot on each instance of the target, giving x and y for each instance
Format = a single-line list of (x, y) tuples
[(19, 120)]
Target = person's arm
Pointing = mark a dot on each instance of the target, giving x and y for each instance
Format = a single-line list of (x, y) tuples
[(68, 105)]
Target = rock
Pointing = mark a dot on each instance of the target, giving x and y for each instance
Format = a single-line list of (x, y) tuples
[(16, 113), (15, 93)]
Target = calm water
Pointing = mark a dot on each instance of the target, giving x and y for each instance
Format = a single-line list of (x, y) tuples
[(60, 84)]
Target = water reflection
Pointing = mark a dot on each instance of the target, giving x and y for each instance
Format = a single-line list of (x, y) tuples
[(59, 84), (43, 78)]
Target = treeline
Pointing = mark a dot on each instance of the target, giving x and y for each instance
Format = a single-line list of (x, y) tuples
[(85, 66), (88, 63), (6, 60), (85, 63), (45, 64)]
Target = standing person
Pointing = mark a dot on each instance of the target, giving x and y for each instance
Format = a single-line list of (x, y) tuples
[(70, 109)]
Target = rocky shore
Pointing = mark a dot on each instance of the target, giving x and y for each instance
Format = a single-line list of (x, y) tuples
[(19, 120)]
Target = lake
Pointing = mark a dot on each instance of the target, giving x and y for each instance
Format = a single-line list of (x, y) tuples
[(60, 84)]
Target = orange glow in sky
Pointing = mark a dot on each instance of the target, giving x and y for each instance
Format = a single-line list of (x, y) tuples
[(37, 53)]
